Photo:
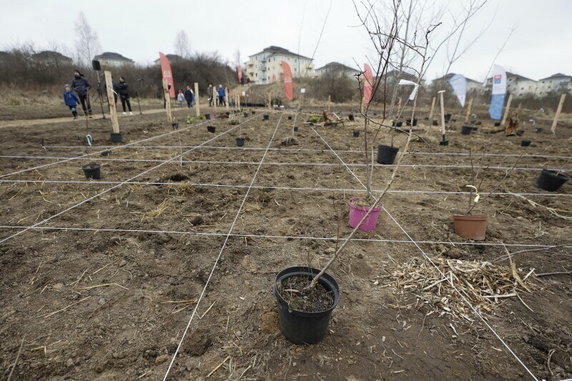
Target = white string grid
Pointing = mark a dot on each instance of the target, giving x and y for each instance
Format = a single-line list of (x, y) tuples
[(274, 163), (286, 237), (450, 281), (220, 252), (303, 189), (117, 185)]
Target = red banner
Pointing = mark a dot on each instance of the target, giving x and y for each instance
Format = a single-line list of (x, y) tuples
[(288, 84), (239, 73), (367, 84), (167, 73)]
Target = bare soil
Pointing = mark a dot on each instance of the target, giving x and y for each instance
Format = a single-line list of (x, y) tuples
[(104, 290)]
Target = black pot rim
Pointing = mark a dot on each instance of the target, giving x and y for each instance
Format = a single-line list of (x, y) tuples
[(553, 173), (325, 280), (390, 148), (91, 166)]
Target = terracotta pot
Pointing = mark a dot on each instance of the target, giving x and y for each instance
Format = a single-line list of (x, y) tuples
[(471, 227)]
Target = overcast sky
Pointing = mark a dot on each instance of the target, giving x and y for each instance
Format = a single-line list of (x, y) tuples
[(540, 45)]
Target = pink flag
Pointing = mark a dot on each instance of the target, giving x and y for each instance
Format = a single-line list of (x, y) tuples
[(239, 73), (167, 73), (367, 84), (288, 85)]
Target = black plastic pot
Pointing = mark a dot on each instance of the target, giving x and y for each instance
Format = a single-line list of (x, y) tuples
[(497, 124), (289, 118), (211, 129), (408, 121), (520, 132), (207, 116), (448, 117), (295, 128), (386, 154), (239, 142), (265, 117), (539, 129), (92, 171), (397, 124), (245, 114), (435, 123), (304, 327), (253, 112), (356, 133), (175, 125), (444, 143), (116, 137), (525, 143), (551, 180), (466, 130)]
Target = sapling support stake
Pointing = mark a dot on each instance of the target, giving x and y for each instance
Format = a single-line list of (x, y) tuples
[(138, 97), (441, 101)]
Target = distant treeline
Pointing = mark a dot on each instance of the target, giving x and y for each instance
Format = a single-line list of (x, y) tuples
[(21, 70)]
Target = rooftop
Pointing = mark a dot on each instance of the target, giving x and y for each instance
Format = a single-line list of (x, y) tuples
[(278, 50), (113, 56)]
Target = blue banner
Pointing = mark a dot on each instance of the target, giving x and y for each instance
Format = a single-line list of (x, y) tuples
[(497, 103)]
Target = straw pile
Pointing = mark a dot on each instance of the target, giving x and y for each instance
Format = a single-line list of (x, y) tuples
[(483, 284)]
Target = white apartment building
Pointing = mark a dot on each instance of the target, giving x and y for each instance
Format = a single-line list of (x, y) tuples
[(264, 67), (556, 82), (336, 67)]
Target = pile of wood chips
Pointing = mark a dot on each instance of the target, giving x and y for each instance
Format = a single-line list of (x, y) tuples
[(483, 284)]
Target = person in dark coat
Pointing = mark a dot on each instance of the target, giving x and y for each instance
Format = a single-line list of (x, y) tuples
[(189, 96), (221, 96), (71, 100), (81, 87), (122, 91)]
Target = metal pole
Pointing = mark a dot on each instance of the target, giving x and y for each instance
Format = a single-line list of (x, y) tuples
[(138, 100)]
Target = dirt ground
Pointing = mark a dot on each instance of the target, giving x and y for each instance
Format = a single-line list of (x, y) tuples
[(105, 289)]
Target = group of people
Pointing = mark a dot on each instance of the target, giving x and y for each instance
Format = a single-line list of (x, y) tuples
[(78, 93)]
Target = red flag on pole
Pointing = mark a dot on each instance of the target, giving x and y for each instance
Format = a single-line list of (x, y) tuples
[(367, 84), (167, 73), (288, 84), (239, 73)]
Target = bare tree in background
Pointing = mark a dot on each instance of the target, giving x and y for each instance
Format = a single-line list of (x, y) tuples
[(87, 43), (182, 44)]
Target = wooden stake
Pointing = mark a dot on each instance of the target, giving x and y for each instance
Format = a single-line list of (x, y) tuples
[(197, 100), (399, 105), (226, 97), (238, 101), (329, 102), (442, 112), (167, 101), (469, 107), (506, 110), (558, 110), (431, 112), (269, 101), (111, 101), (215, 97)]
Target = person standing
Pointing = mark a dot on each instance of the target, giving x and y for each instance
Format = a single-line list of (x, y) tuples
[(123, 92), (189, 96), (81, 87), (71, 100), (210, 93), (221, 96), (180, 98)]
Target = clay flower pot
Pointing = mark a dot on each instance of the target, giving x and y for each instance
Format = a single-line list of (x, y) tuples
[(471, 226)]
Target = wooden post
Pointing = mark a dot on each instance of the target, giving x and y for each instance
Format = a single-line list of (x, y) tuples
[(507, 110), (269, 101), (329, 102), (442, 113), (469, 107), (431, 112), (111, 98), (238, 101), (398, 105), (558, 110), (197, 100), (226, 97), (167, 101)]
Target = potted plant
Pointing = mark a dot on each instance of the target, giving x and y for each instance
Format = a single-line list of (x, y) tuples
[(551, 180), (468, 225)]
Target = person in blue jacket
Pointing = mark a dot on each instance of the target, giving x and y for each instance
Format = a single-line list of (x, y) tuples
[(189, 96), (81, 86), (221, 96), (71, 100)]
